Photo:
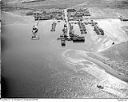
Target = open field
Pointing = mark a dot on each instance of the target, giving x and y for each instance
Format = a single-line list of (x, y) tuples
[(69, 3), (99, 9)]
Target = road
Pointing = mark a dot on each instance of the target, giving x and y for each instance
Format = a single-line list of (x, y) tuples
[(66, 21)]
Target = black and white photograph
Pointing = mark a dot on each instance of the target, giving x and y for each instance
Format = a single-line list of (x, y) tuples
[(64, 49)]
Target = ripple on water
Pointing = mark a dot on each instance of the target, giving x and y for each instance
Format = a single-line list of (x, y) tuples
[(110, 83)]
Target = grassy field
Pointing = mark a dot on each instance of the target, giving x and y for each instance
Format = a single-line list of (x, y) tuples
[(98, 8), (118, 52), (118, 57), (69, 3)]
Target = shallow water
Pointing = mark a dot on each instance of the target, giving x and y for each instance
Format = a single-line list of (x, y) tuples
[(36, 68), (28, 63), (103, 73)]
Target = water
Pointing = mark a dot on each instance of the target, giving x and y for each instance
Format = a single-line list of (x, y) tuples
[(36, 68)]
